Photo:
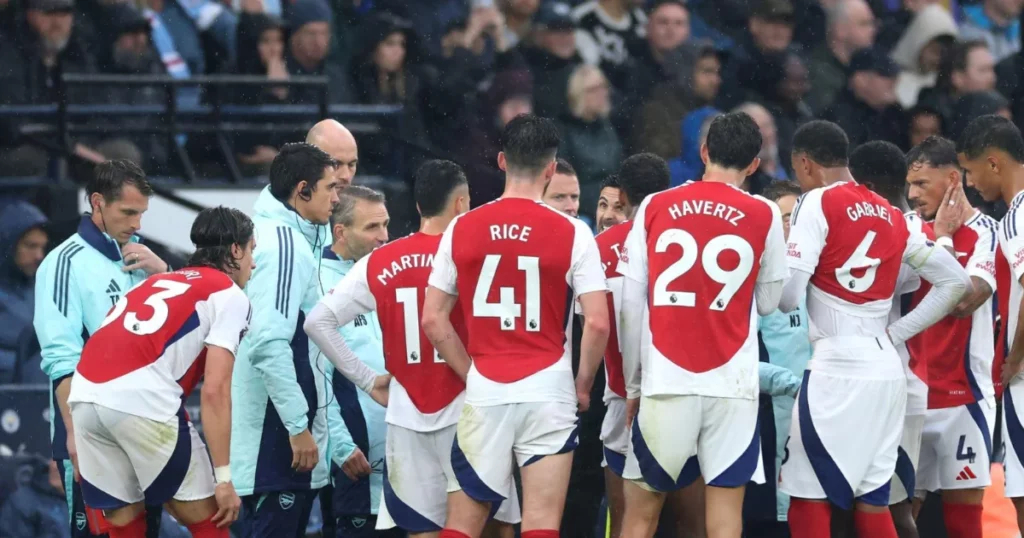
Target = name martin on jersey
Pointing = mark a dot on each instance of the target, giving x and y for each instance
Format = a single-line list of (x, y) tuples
[(407, 261), (706, 207)]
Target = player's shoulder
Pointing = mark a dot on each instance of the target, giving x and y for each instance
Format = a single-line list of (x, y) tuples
[(614, 234), (982, 224), (282, 244)]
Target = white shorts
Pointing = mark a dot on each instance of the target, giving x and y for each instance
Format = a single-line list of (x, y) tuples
[(844, 438), (956, 448), (904, 480), (125, 459), (417, 478), (1013, 437), (488, 437), (615, 436), (675, 439)]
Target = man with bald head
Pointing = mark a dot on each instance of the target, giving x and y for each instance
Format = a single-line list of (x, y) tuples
[(851, 27), (337, 141)]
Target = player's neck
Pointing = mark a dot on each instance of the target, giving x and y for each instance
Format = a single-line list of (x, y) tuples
[(342, 253), (434, 225), (1016, 184), (717, 174), (519, 187), (832, 176)]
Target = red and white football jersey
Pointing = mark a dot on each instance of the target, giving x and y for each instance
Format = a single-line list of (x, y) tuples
[(957, 352), (852, 243), (1009, 270), (150, 351), (516, 265), (392, 280), (610, 243), (700, 248)]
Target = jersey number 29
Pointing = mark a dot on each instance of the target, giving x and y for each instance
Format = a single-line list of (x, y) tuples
[(157, 301), (731, 279)]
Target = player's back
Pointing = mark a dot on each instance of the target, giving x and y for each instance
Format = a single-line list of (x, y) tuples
[(1009, 270), (397, 276), (150, 351), (515, 260), (852, 241), (706, 244), (610, 243)]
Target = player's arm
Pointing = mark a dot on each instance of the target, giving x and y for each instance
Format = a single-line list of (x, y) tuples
[(276, 290), (440, 299), (773, 272), (59, 323), (1015, 359), (633, 267), (589, 283), (949, 282), (982, 268), (776, 380), (807, 231), (350, 297), (340, 446)]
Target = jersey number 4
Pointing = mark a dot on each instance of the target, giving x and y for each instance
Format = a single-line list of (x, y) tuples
[(507, 309), (410, 301), (157, 301), (731, 279)]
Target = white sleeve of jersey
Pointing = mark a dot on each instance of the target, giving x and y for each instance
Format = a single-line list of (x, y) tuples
[(807, 232), (773, 259), (633, 258), (229, 311), (949, 282), (982, 263), (351, 293), (908, 281), (1014, 251), (444, 273), (585, 272)]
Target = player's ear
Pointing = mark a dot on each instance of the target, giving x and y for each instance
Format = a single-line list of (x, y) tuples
[(753, 166), (704, 153), (502, 165), (95, 200), (993, 163), (549, 170), (237, 252), (420, 213)]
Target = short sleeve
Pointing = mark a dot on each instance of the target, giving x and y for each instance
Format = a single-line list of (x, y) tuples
[(230, 313), (982, 262), (353, 287), (773, 260), (807, 232), (444, 273), (586, 271), (633, 258), (1014, 242)]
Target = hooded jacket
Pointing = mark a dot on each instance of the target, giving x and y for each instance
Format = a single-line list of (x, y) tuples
[(278, 388), (689, 167), (17, 295), (931, 23)]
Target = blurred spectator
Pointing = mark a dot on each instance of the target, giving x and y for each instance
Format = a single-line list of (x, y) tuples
[(308, 44), (770, 31), (868, 109), (920, 51), (694, 72), (783, 82), (518, 16), (851, 27), (510, 94), (668, 26), (923, 122), (689, 166), (261, 40), (433, 18), (188, 22), (894, 21), (997, 23), (607, 34), (771, 165), (37, 508), (589, 141), (552, 58), (968, 68), (32, 60), (23, 241), (975, 104)]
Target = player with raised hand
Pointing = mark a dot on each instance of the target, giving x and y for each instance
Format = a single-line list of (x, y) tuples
[(846, 247), (991, 152), (424, 398), (957, 352), (517, 265), (135, 442), (639, 176), (704, 259)]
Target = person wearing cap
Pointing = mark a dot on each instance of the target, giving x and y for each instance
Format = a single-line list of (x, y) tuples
[(608, 31), (850, 27), (770, 32), (552, 57), (308, 45), (868, 108)]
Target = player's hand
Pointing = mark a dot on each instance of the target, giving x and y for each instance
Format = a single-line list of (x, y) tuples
[(1010, 370), (304, 451), (583, 388), (632, 408), (138, 256), (380, 390), (951, 213), (228, 505), (73, 453), (356, 466)]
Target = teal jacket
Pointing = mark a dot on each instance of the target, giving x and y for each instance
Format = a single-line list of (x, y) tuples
[(789, 350), (354, 418), (76, 285), (278, 387)]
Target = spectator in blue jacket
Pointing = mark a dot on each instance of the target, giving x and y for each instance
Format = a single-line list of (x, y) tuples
[(23, 241), (36, 509)]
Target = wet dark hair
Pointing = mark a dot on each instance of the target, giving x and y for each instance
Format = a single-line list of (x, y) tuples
[(435, 181), (734, 140), (641, 175), (991, 131), (823, 142), (882, 166), (213, 232), (110, 177)]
